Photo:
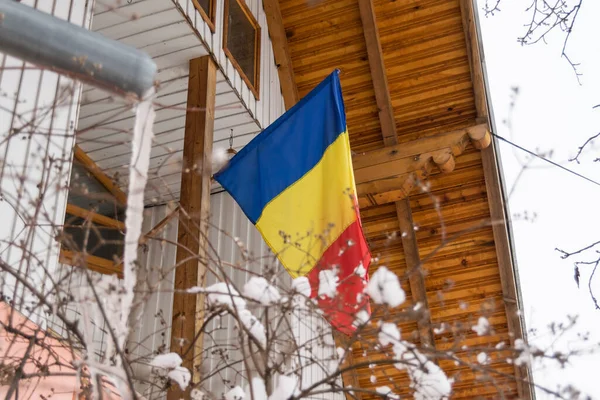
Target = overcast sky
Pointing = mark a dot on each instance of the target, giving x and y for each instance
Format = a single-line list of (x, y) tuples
[(552, 112)]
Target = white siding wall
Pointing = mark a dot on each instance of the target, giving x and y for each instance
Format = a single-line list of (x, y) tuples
[(152, 335), (232, 233), (317, 352), (270, 104), (29, 94)]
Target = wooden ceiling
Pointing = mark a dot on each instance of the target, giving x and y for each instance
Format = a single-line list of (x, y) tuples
[(416, 112)]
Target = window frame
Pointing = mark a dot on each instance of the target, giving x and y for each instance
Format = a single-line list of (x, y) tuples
[(254, 87), (212, 13), (94, 263)]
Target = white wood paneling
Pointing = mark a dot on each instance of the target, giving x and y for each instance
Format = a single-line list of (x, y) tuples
[(173, 33), (269, 106), (152, 334), (38, 112)]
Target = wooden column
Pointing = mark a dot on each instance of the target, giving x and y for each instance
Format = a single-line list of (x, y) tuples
[(493, 182), (193, 215), (390, 138), (413, 265)]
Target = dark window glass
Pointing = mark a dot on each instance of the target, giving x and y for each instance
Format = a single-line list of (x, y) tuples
[(87, 193), (102, 241), (241, 40)]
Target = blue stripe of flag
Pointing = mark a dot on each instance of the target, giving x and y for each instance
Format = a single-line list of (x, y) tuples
[(286, 150)]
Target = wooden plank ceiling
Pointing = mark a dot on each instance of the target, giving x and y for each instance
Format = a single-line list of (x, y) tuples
[(426, 62)]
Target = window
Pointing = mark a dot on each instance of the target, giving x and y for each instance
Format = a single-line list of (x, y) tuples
[(241, 42), (206, 8), (94, 220)]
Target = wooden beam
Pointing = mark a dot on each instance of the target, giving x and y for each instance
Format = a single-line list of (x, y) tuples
[(93, 263), (193, 215), (94, 217), (457, 140), (389, 174), (470, 30), (283, 59), (378, 74), (413, 166), (416, 275), (104, 179), (493, 182)]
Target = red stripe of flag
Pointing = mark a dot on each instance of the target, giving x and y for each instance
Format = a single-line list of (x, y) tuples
[(345, 255)]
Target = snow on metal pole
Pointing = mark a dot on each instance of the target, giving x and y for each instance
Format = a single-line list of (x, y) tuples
[(52, 43)]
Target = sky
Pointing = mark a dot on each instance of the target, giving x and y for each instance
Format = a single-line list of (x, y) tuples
[(549, 207)]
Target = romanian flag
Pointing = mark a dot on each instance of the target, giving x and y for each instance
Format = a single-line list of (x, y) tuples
[(295, 182)]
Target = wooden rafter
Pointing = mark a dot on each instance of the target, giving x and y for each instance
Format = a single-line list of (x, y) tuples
[(496, 200), (104, 179), (94, 217), (282, 53), (193, 215), (390, 138), (377, 67)]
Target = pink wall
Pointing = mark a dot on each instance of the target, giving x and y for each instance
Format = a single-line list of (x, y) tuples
[(46, 351)]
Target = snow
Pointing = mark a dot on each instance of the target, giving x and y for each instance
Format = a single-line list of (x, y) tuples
[(482, 358), (340, 353), (196, 394), (141, 145), (301, 285), (430, 384), (286, 386), (482, 327), (360, 270), (237, 393), (440, 330), (253, 326), (384, 288), (328, 282), (427, 379), (171, 364), (259, 289), (195, 290), (221, 293), (181, 376), (373, 379), (361, 318), (385, 390), (388, 334), (259, 391), (169, 361), (525, 352)]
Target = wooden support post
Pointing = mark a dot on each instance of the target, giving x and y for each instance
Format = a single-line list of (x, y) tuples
[(413, 265), (390, 138), (493, 182), (283, 59), (193, 215)]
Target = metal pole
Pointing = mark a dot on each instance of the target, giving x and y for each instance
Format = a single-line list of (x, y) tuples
[(52, 43)]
